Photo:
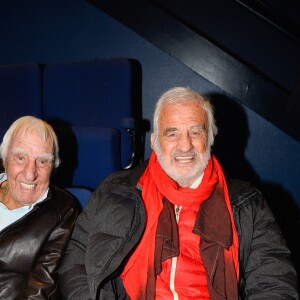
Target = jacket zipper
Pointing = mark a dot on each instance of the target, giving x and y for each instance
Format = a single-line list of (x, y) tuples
[(174, 260)]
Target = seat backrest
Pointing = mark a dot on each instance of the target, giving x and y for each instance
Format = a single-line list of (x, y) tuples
[(20, 93), (95, 93), (82, 195), (88, 154)]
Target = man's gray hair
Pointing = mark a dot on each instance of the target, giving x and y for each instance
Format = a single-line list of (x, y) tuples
[(22, 125), (179, 95)]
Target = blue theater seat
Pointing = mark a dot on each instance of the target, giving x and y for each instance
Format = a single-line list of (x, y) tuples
[(82, 195), (90, 105), (88, 154)]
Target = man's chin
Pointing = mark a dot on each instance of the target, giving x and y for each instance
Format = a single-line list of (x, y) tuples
[(183, 173), (185, 169)]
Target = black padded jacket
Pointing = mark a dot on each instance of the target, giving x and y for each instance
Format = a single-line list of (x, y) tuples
[(113, 221)]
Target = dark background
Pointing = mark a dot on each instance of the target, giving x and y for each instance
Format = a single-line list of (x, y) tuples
[(244, 54)]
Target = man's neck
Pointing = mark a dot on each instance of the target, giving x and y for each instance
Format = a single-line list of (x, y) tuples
[(197, 182)]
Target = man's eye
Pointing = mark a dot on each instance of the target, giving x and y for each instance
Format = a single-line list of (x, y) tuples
[(20, 158), (195, 133), (171, 136), (42, 163)]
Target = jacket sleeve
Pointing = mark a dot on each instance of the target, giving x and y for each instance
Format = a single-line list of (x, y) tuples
[(267, 271), (105, 232), (73, 276), (72, 273), (42, 280)]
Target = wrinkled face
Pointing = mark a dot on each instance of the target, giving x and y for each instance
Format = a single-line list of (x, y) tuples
[(28, 167), (181, 143)]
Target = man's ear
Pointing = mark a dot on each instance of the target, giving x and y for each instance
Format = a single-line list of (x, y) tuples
[(152, 139)]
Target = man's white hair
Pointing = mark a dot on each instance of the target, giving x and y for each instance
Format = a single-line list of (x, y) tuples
[(21, 126), (179, 95)]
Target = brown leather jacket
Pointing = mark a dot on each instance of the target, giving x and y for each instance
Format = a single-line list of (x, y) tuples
[(32, 247)]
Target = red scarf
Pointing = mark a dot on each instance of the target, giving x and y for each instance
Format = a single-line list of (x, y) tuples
[(139, 273)]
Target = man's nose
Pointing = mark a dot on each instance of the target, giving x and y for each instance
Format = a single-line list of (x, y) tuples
[(30, 170), (185, 143)]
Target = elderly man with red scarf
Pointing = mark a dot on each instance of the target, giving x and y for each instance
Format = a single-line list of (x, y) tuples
[(175, 227)]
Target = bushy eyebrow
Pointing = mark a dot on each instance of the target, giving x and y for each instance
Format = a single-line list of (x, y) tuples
[(198, 126), (174, 129), (17, 150), (48, 156)]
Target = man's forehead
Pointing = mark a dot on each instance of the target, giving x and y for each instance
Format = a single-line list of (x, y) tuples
[(183, 117), (182, 108), (30, 134), (31, 139)]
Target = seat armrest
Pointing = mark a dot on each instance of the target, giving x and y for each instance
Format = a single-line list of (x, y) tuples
[(137, 130)]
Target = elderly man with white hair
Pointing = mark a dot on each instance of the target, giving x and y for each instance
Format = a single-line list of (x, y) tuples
[(175, 227), (36, 219)]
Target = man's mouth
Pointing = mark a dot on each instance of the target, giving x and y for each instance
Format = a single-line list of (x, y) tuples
[(27, 186), (184, 159)]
